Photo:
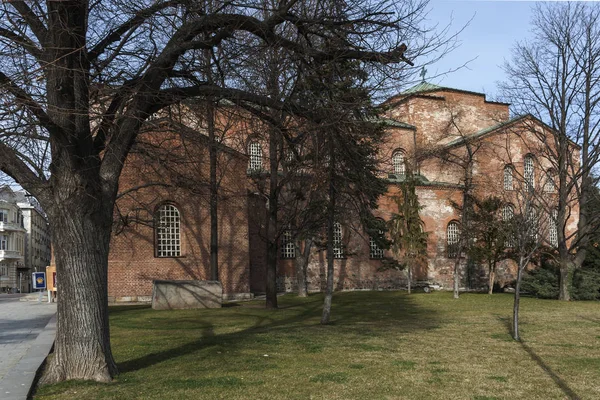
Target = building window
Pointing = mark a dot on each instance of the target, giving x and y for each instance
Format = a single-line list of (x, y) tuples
[(168, 232), (452, 239), (338, 250), (532, 222), (3, 215), (508, 177), (3, 242), (508, 212), (375, 251), (529, 172), (549, 185), (399, 162), (255, 154), (288, 247), (553, 234)]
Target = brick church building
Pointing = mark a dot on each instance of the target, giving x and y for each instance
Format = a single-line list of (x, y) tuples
[(162, 220)]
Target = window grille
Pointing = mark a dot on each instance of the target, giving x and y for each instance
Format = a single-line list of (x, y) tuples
[(549, 185), (508, 177), (338, 251), (532, 222), (452, 239), (288, 248), (168, 232), (399, 162), (529, 173), (553, 234), (255, 154), (508, 212), (374, 250)]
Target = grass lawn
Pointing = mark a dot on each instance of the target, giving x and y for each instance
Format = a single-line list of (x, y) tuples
[(380, 345)]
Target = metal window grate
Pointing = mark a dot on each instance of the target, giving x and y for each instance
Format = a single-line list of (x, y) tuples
[(553, 234), (452, 239), (288, 248), (529, 173), (508, 178), (338, 251), (508, 212), (168, 232), (549, 185), (374, 250), (255, 154), (398, 162)]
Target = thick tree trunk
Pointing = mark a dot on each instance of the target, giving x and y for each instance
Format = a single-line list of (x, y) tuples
[(566, 277), (515, 323), (80, 236)]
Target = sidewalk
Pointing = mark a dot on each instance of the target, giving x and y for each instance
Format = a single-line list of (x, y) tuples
[(27, 331)]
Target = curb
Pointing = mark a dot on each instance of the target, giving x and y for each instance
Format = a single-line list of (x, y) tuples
[(19, 382)]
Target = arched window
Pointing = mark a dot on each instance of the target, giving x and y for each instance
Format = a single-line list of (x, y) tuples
[(553, 231), (508, 212), (338, 250), (399, 162), (508, 177), (255, 156), (549, 185), (168, 233), (532, 222), (375, 251), (529, 172), (288, 247), (452, 239)]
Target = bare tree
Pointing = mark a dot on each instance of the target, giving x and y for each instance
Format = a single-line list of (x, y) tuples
[(77, 82), (527, 232), (556, 78)]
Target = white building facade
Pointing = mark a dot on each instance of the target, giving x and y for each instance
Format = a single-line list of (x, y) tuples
[(12, 243), (26, 237)]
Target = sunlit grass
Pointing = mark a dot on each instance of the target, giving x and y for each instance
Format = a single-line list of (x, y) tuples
[(380, 345)]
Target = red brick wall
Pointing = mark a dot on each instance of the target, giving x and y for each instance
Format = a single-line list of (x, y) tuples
[(170, 158)]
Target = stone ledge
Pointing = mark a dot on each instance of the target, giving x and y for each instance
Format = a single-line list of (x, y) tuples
[(174, 295)]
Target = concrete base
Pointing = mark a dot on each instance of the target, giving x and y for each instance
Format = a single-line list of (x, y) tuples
[(172, 295), (237, 296)]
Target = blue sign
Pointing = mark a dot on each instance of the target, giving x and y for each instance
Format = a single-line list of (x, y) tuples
[(39, 280)]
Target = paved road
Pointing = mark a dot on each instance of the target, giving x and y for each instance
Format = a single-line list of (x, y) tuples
[(20, 324)]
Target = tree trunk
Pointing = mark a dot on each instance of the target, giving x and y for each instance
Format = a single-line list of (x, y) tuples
[(409, 277), (301, 264), (491, 279), (214, 196), (271, 286), (330, 222), (456, 277), (515, 331), (80, 236), (566, 277)]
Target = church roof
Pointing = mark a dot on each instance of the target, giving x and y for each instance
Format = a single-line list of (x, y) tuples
[(422, 87)]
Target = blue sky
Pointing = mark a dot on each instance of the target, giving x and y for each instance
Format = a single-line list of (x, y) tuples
[(495, 27)]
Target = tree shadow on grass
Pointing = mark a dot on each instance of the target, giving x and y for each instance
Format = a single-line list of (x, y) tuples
[(566, 389), (356, 312)]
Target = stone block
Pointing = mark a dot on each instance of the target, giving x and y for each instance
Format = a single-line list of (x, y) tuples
[(173, 295)]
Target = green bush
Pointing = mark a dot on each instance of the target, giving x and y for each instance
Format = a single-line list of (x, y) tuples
[(541, 282), (586, 284)]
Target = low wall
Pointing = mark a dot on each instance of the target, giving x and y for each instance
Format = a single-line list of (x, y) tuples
[(172, 295)]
